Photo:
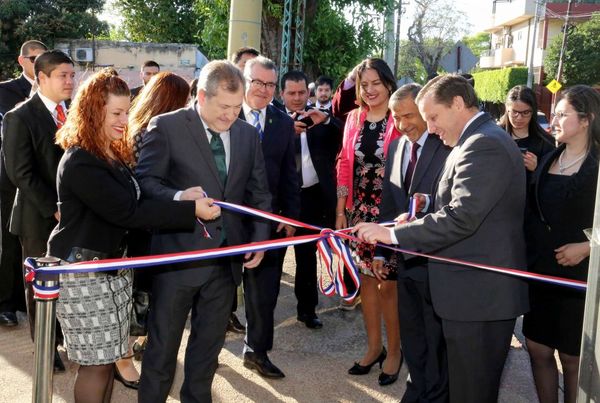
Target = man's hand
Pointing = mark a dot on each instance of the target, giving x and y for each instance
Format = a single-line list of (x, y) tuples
[(289, 229), (299, 127), (372, 233), (316, 115), (253, 259), (57, 215), (193, 193), (572, 254), (379, 269)]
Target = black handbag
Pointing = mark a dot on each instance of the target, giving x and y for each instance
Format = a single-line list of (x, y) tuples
[(138, 325)]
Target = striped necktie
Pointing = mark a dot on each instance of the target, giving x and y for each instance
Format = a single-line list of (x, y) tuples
[(61, 118), (256, 114)]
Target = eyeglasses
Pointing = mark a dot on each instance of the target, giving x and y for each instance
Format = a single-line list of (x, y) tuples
[(257, 84), (524, 114), (31, 58), (560, 115)]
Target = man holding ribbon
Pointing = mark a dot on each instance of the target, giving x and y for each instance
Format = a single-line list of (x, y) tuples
[(478, 218), (203, 145)]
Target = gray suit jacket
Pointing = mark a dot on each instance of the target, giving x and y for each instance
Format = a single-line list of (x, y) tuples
[(176, 155), (395, 197), (478, 217)]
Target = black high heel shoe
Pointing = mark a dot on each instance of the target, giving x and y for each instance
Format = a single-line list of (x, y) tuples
[(358, 369), (388, 379), (130, 384)]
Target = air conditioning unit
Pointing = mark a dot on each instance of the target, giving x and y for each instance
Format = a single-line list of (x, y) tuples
[(83, 55)]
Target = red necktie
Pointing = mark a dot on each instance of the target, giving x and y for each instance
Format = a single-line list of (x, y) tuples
[(412, 163), (60, 116)]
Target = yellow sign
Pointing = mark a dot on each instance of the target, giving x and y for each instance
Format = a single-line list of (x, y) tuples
[(554, 86)]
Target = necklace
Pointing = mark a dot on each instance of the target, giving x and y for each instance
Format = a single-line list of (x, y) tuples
[(562, 168)]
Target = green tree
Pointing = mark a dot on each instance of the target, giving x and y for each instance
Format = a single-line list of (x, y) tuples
[(45, 20), (478, 43), (581, 62)]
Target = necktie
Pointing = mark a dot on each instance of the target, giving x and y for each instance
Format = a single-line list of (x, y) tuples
[(60, 116), (412, 163), (256, 122), (218, 150)]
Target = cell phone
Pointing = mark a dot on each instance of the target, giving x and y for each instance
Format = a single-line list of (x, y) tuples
[(306, 120), (523, 150)]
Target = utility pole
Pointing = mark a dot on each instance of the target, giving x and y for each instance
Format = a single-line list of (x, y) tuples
[(388, 23), (397, 49), (563, 47), (539, 5)]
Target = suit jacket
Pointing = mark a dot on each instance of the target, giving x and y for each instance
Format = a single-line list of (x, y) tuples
[(176, 155), (135, 91), (99, 219), (278, 148), (12, 92), (395, 197), (31, 160), (478, 217)]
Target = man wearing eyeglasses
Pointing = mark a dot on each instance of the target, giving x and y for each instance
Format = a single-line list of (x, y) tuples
[(12, 92), (261, 285)]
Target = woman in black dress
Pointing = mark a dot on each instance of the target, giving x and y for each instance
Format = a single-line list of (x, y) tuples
[(520, 121), (99, 200), (562, 200)]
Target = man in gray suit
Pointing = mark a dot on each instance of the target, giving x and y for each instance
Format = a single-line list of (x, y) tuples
[(478, 217), (204, 145)]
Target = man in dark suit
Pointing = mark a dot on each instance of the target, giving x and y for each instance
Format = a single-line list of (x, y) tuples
[(478, 217), (261, 285), (148, 70), (31, 159), (323, 90), (12, 92), (414, 163), (318, 140), (204, 145)]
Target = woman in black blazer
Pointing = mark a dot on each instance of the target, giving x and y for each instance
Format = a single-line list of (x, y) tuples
[(562, 204), (99, 200)]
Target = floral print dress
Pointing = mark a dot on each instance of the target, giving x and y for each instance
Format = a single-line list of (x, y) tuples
[(369, 169)]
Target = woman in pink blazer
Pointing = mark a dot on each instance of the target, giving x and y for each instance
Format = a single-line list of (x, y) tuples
[(368, 132)]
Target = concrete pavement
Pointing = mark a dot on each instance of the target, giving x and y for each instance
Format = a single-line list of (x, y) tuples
[(315, 363)]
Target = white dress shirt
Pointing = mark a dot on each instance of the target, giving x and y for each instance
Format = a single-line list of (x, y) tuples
[(309, 174), (51, 106), (262, 116)]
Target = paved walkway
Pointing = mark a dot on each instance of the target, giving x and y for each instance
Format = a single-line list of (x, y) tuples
[(314, 361)]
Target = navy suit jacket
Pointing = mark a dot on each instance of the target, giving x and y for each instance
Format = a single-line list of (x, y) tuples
[(278, 148)]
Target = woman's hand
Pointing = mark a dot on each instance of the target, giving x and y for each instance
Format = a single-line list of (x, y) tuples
[(206, 210), (572, 254), (530, 160), (193, 193), (379, 270), (341, 221)]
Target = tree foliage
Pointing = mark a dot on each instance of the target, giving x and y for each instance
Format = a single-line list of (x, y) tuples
[(436, 26), (45, 20), (478, 43), (581, 62)]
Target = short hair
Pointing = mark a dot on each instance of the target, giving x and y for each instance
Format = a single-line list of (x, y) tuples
[(407, 90), (237, 55), (28, 46), (83, 127), (469, 78), (295, 76), (150, 63), (383, 71), (220, 74), (262, 61), (165, 92), (48, 61), (194, 88), (445, 87), (324, 80)]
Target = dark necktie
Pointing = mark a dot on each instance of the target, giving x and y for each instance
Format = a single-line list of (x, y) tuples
[(412, 163), (218, 150)]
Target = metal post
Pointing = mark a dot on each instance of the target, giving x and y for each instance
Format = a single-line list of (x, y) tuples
[(45, 328), (538, 7)]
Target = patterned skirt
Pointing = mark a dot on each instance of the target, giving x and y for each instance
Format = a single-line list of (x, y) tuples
[(93, 310)]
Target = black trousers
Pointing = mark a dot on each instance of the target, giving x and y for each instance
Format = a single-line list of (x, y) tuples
[(12, 292), (422, 342), (476, 355), (313, 210), (210, 304), (35, 248), (261, 290)]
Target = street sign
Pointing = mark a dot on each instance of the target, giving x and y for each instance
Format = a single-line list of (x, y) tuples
[(554, 86)]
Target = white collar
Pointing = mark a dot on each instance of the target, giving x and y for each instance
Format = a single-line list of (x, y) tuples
[(50, 104), (31, 81), (248, 110)]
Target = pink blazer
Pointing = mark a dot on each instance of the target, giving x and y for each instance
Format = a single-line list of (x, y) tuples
[(345, 166)]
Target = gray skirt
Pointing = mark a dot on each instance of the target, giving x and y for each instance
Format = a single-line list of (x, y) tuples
[(93, 310)]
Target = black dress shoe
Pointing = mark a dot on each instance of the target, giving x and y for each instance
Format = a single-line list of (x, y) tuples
[(311, 321), (59, 366), (358, 369), (388, 379), (8, 319), (130, 384), (262, 364), (234, 325)]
